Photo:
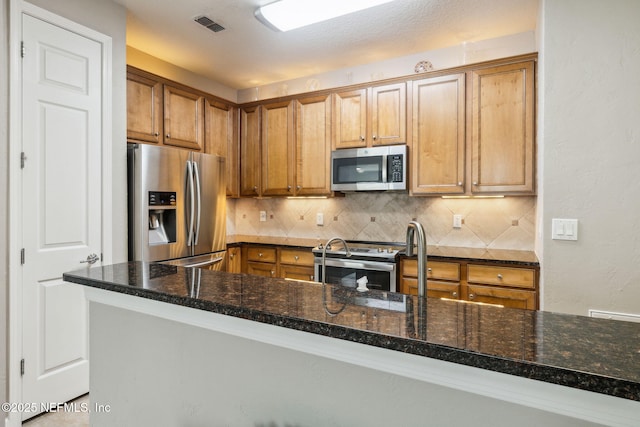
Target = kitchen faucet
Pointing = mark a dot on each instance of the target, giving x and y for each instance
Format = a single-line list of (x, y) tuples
[(413, 228), (324, 255)]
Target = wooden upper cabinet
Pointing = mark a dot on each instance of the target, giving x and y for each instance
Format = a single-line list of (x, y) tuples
[(183, 118), (388, 114), (502, 141), (221, 138), (350, 119), (278, 149), (371, 116), (250, 164), (144, 108), (438, 137), (313, 146)]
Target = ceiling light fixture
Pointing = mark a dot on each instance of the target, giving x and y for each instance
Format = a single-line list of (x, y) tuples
[(285, 15)]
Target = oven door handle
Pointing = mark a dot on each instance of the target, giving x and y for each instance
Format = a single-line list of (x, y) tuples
[(358, 264)]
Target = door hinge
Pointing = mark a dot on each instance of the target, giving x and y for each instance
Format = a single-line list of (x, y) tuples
[(22, 50), (23, 158), (22, 256), (22, 367)]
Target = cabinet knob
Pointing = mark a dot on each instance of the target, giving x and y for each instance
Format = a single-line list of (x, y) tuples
[(361, 138), (288, 188), (454, 294), (459, 183), (273, 273), (296, 257), (429, 269), (156, 134), (374, 137), (475, 182), (500, 276), (231, 256), (260, 254), (471, 296), (255, 188), (298, 187), (168, 136)]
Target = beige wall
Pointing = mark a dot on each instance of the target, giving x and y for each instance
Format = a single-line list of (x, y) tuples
[(589, 129), (107, 18)]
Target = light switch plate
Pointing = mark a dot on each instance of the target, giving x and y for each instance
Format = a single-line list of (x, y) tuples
[(319, 218), (564, 229), (457, 221), (263, 216)]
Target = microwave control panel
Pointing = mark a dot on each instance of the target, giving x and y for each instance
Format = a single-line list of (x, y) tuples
[(395, 167)]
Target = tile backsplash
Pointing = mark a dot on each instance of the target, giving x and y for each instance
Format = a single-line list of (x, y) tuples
[(496, 223)]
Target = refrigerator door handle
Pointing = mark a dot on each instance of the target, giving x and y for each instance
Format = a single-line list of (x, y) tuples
[(190, 201), (198, 195), (201, 264)]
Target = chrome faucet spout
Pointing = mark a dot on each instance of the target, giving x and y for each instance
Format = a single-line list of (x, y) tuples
[(414, 228), (324, 254)]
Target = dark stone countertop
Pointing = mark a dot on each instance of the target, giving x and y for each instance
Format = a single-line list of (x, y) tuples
[(435, 252), (598, 355)]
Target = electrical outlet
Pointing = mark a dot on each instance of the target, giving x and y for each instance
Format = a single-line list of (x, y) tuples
[(457, 221), (263, 216)]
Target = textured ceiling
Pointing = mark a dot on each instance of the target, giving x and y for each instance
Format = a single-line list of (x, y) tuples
[(248, 54)]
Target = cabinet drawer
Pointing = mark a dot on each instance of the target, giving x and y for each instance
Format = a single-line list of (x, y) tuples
[(261, 254), (296, 257), (505, 276), (514, 298), (435, 269)]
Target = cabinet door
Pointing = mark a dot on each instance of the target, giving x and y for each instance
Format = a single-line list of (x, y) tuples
[(261, 269), (438, 141), (503, 129), (296, 272), (313, 146), (388, 114), (183, 118), (221, 138), (278, 149), (350, 119), (144, 108), (234, 260), (250, 151)]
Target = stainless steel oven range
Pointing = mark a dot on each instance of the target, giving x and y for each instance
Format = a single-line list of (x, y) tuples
[(376, 261)]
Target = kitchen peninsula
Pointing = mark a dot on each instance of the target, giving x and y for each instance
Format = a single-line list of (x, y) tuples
[(180, 346)]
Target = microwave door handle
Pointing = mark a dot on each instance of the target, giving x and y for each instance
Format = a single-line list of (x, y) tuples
[(384, 166), (190, 202), (199, 200)]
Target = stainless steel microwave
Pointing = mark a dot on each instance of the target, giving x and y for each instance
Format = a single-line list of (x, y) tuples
[(381, 168)]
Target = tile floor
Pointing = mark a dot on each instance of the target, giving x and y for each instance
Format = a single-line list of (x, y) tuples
[(63, 419)]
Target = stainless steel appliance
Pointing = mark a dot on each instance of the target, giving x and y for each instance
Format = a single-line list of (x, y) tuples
[(378, 262), (177, 203), (381, 168)]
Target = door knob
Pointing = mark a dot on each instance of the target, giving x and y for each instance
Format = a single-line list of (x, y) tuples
[(91, 259)]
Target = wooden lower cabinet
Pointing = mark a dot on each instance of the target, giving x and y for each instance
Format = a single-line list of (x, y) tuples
[(234, 259), (278, 261), (490, 282)]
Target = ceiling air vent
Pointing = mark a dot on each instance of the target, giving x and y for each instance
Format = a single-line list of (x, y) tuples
[(213, 26)]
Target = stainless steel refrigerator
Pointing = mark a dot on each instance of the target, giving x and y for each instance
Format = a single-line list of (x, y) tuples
[(177, 206)]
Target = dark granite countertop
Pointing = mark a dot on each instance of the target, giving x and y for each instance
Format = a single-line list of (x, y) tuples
[(507, 256), (598, 355)]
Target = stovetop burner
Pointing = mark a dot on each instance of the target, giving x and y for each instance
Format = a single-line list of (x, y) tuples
[(361, 249)]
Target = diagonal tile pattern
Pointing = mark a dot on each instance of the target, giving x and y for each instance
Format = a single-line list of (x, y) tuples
[(504, 223)]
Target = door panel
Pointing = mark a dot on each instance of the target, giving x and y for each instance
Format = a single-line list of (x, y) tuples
[(61, 205)]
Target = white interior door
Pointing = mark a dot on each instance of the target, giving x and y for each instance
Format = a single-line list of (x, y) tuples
[(61, 205)]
